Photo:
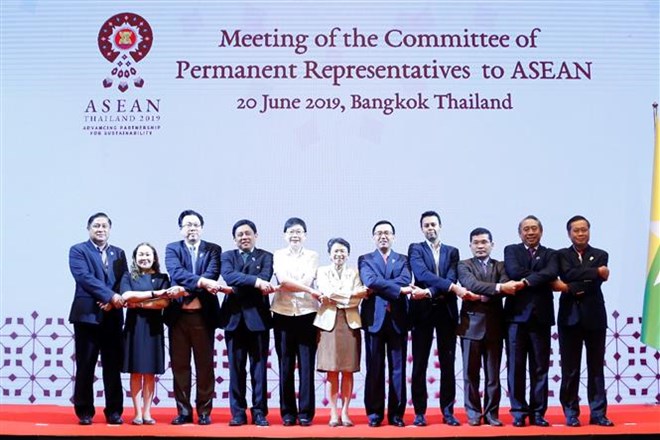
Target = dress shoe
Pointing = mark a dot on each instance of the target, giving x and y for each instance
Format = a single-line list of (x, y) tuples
[(601, 421), (493, 421), (519, 422), (114, 420), (137, 421), (181, 419), (260, 420), (345, 421), (375, 422), (572, 421), (474, 422), (303, 421), (288, 421), (538, 421), (420, 420), (149, 421), (204, 419), (85, 420), (237, 421), (450, 420), (397, 421)]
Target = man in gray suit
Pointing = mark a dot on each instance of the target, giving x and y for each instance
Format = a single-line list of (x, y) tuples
[(481, 326)]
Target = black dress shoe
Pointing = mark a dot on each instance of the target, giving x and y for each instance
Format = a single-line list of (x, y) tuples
[(287, 421), (375, 423), (572, 421), (204, 419), (181, 419), (420, 420), (601, 421), (519, 422), (85, 420), (474, 422), (304, 421), (493, 421), (115, 420), (397, 421), (538, 421), (450, 420), (237, 421), (260, 420)]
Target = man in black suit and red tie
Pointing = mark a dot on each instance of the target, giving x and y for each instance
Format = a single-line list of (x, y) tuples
[(192, 319), (530, 316), (481, 327), (582, 320), (97, 317), (246, 318)]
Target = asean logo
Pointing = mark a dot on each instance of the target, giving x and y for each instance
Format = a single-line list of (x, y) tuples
[(124, 40)]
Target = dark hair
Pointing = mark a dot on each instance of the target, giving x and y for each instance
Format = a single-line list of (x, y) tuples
[(93, 217), (190, 212), (135, 270), (383, 222), (243, 222), (481, 231), (293, 221), (530, 217), (429, 214), (576, 218), (340, 241)]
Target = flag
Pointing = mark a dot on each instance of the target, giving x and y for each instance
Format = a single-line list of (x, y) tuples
[(651, 315)]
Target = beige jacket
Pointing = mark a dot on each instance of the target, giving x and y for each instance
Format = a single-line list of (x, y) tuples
[(339, 290)]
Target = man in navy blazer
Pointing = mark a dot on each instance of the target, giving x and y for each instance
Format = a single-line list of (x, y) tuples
[(192, 319), (97, 318), (529, 315), (245, 316), (384, 319), (433, 308), (582, 320)]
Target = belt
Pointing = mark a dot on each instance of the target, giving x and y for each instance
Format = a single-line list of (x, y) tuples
[(191, 311)]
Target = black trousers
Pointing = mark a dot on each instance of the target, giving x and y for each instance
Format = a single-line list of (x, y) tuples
[(191, 335), (571, 340), (243, 344), (296, 339), (90, 340)]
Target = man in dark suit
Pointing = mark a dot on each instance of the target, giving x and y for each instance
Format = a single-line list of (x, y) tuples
[(433, 308), (582, 320), (529, 315), (246, 318), (384, 319), (481, 327), (97, 318), (195, 265)]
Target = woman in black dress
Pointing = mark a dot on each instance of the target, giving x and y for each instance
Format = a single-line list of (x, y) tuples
[(145, 290)]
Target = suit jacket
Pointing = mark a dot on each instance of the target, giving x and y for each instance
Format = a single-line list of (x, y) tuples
[(534, 302), (94, 283), (481, 319), (246, 302), (385, 283), (587, 308), (423, 268), (338, 289), (179, 266)]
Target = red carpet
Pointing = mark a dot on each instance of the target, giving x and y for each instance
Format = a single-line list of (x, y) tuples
[(43, 421)]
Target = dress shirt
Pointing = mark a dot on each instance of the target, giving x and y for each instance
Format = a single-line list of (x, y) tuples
[(300, 267)]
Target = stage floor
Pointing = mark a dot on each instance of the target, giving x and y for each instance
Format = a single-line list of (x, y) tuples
[(49, 421)]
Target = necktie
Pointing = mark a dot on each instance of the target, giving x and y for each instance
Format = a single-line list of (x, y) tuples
[(532, 252), (245, 256), (193, 258), (104, 257), (484, 267)]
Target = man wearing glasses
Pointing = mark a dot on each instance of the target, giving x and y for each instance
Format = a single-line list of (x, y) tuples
[(384, 319), (193, 316)]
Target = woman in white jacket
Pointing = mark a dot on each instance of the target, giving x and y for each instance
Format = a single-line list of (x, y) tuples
[(339, 320)]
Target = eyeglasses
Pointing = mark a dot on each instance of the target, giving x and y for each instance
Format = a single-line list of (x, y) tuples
[(295, 232), (191, 225), (383, 233)]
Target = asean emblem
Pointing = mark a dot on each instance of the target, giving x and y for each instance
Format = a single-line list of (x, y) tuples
[(124, 40)]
